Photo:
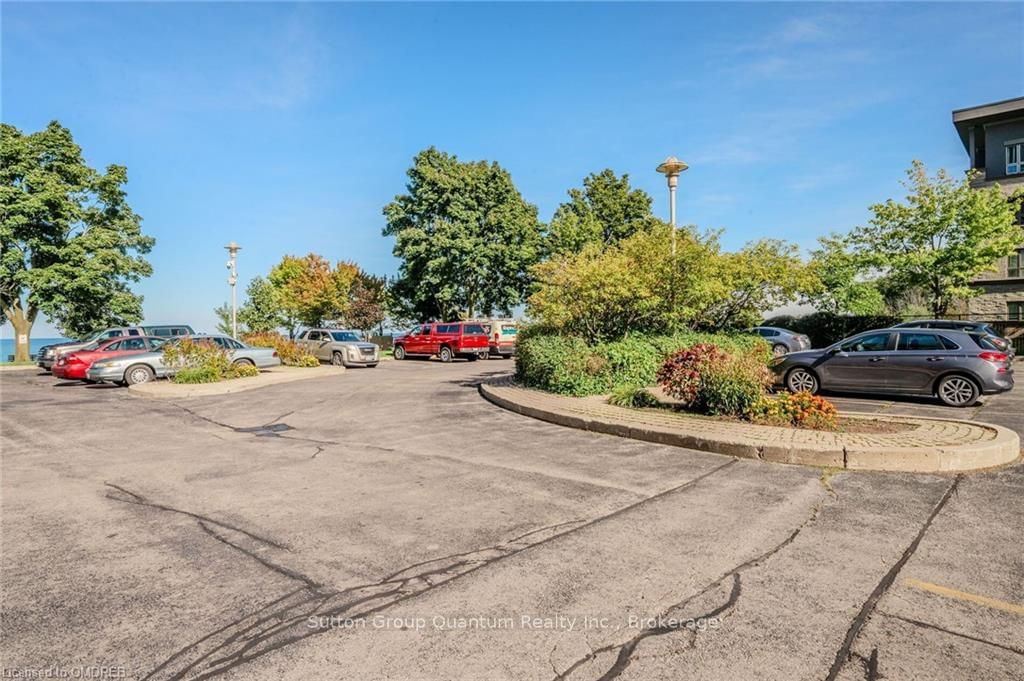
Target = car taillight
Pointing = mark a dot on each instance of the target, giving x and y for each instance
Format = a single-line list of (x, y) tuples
[(274, 354), (994, 356), (496, 335)]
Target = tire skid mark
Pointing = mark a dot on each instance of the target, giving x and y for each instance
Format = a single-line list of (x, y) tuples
[(844, 654), (624, 652), (286, 620), (128, 497)]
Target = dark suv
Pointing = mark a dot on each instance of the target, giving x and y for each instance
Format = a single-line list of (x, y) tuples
[(447, 340), (1004, 344)]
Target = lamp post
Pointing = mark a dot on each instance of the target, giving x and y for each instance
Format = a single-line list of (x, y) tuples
[(670, 168), (233, 250)]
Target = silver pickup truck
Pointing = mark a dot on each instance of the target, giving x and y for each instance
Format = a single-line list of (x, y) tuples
[(339, 347)]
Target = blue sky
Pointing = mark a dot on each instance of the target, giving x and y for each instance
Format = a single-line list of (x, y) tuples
[(288, 127)]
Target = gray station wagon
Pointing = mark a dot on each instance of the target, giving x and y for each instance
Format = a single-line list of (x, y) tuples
[(954, 366)]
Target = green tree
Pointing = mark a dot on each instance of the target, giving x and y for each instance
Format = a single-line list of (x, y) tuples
[(70, 244), (465, 236), (261, 311), (605, 211), (636, 285), (846, 287), (223, 313), (940, 238), (310, 291), (764, 274)]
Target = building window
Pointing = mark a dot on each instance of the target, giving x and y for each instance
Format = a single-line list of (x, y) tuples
[(1016, 311), (1015, 264), (1014, 151)]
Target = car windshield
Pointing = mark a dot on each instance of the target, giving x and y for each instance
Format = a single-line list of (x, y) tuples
[(344, 336)]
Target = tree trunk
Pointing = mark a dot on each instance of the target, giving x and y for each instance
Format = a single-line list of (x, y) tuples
[(22, 324)]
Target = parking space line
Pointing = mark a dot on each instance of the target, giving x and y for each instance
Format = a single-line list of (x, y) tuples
[(946, 592)]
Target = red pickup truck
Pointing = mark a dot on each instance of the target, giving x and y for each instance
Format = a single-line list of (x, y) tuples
[(447, 340)]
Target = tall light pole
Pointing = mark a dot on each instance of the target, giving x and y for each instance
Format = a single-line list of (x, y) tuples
[(670, 168), (233, 250)]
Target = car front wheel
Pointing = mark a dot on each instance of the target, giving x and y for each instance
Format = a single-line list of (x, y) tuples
[(957, 391), (399, 352), (338, 360), (139, 373), (801, 380)]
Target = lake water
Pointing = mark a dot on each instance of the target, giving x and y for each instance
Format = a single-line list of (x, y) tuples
[(7, 346)]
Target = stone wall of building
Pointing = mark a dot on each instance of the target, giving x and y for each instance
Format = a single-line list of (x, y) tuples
[(991, 303)]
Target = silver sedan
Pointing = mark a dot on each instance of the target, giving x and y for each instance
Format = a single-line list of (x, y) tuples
[(148, 366), (782, 340)]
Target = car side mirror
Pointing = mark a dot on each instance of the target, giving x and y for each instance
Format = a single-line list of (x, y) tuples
[(835, 351)]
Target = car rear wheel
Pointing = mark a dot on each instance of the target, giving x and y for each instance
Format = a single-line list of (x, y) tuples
[(957, 391), (802, 380), (244, 362), (338, 359), (445, 354), (399, 352), (778, 350), (138, 373)]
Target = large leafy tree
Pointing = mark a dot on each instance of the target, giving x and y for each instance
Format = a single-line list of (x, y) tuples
[(846, 284), (367, 303), (310, 291), (465, 236), (606, 210), (70, 243), (940, 238)]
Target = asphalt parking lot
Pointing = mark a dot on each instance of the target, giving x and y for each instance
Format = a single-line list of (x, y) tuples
[(391, 524)]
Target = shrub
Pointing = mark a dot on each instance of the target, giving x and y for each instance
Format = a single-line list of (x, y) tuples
[(568, 365), (825, 328), (681, 374), (800, 409), (291, 353), (632, 396), (244, 371), (305, 361), (711, 381), (561, 364), (203, 374), (191, 354)]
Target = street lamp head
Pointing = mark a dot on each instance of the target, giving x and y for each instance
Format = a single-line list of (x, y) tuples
[(233, 248), (671, 166)]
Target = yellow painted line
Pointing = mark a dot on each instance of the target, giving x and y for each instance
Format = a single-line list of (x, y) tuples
[(965, 596)]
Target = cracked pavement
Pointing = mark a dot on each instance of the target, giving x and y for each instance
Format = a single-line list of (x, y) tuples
[(356, 526)]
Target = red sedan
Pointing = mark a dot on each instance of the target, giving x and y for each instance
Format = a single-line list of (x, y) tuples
[(75, 365)]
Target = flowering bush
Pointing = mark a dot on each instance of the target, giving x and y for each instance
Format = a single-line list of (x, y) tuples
[(244, 371), (711, 381), (680, 374), (800, 409), (290, 352), (187, 353)]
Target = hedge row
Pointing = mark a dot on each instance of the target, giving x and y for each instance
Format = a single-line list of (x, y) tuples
[(569, 366), (825, 328)]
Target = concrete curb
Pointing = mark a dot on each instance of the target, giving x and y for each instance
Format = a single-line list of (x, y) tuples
[(1001, 448), (165, 390)]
